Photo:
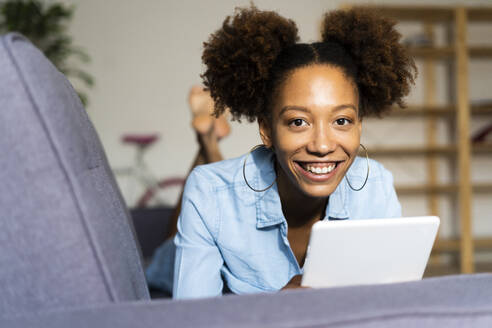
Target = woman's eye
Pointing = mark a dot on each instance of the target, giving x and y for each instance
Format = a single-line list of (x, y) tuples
[(342, 121), (297, 122)]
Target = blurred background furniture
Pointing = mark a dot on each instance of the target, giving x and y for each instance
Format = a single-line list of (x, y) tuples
[(154, 191), (453, 53)]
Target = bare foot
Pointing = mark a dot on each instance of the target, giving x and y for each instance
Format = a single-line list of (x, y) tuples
[(202, 107)]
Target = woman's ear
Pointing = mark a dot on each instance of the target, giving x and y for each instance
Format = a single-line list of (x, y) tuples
[(265, 132)]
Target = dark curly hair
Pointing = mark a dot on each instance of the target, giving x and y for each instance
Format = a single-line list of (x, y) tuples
[(254, 52)]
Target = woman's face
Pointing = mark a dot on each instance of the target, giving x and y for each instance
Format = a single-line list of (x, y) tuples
[(315, 129)]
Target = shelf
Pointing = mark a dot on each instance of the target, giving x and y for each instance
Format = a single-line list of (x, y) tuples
[(453, 245), (480, 14), (437, 111), (444, 269), (479, 149), (480, 51), (448, 52), (413, 13), (429, 13), (482, 188)]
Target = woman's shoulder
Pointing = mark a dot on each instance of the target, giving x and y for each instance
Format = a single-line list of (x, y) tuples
[(230, 173), (377, 198), (219, 174)]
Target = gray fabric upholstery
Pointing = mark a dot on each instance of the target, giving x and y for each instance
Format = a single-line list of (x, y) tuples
[(451, 302), (65, 235)]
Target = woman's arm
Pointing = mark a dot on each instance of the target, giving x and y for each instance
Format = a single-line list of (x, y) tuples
[(198, 260), (294, 283)]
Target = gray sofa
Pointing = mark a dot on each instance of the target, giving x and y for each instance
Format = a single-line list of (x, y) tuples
[(69, 257), (65, 235)]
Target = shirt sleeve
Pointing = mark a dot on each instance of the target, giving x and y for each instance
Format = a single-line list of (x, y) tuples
[(393, 208), (198, 260)]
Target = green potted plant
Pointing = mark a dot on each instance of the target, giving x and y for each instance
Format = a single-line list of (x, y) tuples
[(45, 24)]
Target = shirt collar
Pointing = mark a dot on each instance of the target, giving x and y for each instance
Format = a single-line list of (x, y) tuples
[(268, 205)]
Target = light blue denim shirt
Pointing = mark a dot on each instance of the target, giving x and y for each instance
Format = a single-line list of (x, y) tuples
[(230, 233)]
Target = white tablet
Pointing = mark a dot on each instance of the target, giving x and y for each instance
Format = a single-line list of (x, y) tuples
[(372, 251)]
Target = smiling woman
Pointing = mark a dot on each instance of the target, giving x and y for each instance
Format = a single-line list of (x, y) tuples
[(245, 222)]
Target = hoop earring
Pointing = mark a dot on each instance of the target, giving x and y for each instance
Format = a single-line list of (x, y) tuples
[(367, 175), (244, 172)]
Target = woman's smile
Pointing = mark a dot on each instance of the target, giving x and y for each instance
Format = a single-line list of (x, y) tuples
[(317, 172)]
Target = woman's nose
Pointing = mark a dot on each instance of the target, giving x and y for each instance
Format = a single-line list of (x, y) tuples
[(322, 141)]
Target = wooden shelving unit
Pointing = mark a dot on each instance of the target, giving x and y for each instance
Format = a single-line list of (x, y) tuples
[(456, 55)]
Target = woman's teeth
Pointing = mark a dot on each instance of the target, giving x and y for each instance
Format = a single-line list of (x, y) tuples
[(320, 169)]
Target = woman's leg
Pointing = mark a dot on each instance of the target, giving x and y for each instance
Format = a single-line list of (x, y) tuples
[(209, 130)]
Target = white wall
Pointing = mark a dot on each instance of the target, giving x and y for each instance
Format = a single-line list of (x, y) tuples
[(146, 55)]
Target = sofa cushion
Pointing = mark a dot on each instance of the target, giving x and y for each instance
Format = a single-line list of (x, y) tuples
[(65, 235)]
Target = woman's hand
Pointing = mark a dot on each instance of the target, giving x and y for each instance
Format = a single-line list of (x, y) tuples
[(295, 282)]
